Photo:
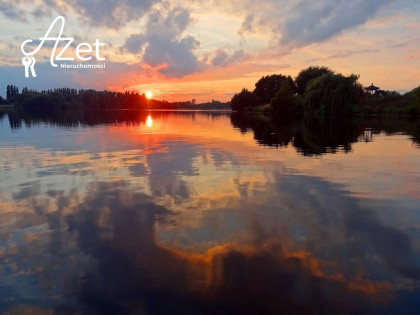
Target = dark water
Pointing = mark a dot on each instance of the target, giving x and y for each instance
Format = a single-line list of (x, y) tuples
[(208, 213)]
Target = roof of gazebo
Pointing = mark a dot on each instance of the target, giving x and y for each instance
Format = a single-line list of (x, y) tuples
[(372, 88)]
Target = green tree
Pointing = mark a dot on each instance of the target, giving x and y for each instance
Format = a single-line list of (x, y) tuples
[(282, 101), (307, 75), (267, 87), (242, 100), (332, 93)]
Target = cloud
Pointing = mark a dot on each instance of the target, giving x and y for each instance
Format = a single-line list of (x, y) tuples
[(298, 23), (11, 11), (134, 44), (222, 59), (323, 19), (343, 54), (104, 13), (247, 25), (112, 14), (23, 9), (412, 58), (163, 45)]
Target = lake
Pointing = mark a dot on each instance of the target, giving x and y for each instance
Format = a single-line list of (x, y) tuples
[(208, 213)]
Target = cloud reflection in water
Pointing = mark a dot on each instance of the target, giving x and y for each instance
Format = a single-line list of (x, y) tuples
[(153, 223)]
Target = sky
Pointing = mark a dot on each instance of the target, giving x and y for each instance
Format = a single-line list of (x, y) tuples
[(183, 50)]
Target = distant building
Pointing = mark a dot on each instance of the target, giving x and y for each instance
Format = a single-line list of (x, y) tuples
[(371, 89)]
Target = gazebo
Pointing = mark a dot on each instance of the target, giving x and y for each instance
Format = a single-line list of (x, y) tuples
[(371, 89)]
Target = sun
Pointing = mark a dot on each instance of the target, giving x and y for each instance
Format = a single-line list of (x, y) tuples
[(149, 94)]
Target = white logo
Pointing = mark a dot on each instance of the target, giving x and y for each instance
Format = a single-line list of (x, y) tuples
[(29, 60)]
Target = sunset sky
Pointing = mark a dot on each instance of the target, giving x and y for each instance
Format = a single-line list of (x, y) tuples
[(180, 50)]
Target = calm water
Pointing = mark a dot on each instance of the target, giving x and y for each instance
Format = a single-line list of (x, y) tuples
[(198, 213)]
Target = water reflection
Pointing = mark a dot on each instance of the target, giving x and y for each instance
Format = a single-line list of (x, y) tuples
[(314, 136), (75, 118), (149, 121), (130, 219), (112, 235)]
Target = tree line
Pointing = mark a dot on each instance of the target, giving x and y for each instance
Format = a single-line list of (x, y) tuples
[(62, 98), (321, 91)]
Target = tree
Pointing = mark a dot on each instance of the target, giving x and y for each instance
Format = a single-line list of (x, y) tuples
[(267, 87), (11, 92), (242, 100), (307, 75), (416, 93), (283, 99), (331, 93)]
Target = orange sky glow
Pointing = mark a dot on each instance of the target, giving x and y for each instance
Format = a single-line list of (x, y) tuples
[(180, 51)]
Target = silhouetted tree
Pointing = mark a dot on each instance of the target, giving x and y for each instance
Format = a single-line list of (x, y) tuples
[(416, 93), (11, 92), (331, 93), (242, 100), (283, 99), (307, 75), (267, 87)]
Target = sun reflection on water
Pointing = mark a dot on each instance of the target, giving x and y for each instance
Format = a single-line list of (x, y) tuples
[(149, 121)]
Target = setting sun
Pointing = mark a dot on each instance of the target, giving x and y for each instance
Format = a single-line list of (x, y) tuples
[(149, 94)]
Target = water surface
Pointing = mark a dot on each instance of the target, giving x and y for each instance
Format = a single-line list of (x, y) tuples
[(204, 213)]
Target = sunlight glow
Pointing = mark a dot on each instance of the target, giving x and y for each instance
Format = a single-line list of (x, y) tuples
[(149, 121), (149, 95)]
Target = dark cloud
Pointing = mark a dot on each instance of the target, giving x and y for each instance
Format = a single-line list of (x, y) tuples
[(247, 25), (12, 12), (320, 20), (134, 44), (112, 14), (104, 13), (177, 55), (20, 10), (39, 12), (162, 44), (222, 58)]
